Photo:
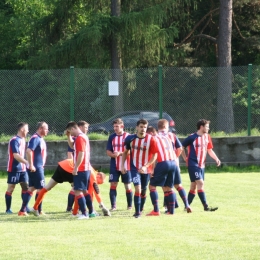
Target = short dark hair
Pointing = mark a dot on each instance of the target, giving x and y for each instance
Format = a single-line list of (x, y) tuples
[(82, 123), (21, 125), (40, 124), (161, 123), (71, 124), (151, 129), (118, 121), (202, 122), (142, 121)]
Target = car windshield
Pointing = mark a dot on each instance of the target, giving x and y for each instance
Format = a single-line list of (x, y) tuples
[(150, 115)]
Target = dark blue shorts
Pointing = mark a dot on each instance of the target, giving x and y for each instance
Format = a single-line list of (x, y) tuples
[(114, 176), (81, 180), (136, 177), (36, 179), (164, 174), (17, 177), (177, 178), (196, 173)]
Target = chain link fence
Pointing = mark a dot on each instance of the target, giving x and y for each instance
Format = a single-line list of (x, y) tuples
[(186, 94)]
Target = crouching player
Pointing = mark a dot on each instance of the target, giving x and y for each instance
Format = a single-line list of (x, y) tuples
[(63, 173)]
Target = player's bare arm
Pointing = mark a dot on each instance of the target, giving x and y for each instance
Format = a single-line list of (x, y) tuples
[(78, 162), (124, 155), (29, 155), (143, 169), (214, 156), (69, 139), (178, 151), (19, 158), (183, 154), (114, 154)]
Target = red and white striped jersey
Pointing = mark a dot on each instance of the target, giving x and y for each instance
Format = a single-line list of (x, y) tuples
[(165, 149)]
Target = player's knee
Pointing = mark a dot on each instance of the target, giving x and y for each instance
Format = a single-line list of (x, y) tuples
[(24, 186), (143, 191)]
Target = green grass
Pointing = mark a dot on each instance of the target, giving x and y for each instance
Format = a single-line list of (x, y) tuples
[(232, 232)]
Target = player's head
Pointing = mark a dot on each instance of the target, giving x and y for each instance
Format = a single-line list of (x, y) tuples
[(83, 126), (118, 125), (163, 125), (141, 127), (72, 128), (151, 130), (42, 128), (23, 129), (100, 177), (203, 125)]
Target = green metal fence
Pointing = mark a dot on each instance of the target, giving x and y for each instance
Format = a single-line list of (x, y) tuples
[(186, 94)]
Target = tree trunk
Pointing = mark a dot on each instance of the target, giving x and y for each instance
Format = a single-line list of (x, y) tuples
[(116, 61), (225, 116)]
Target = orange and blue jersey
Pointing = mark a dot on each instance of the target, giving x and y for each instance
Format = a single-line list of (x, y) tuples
[(39, 150), (141, 150), (81, 144), (116, 143), (198, 145), (16, 145)]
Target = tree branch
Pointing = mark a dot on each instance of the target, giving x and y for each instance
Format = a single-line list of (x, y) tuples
[(195, 27), (238, 30)]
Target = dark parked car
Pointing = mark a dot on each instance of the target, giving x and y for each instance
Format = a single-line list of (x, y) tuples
[(130, 118)]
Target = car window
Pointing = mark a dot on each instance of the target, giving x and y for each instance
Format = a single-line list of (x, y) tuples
[(130, 118), (150, 115)]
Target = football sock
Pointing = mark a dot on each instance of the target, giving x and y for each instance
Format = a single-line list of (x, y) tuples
[(112, 194), (8, 200), (26, 198), (165, 199), (191, 196), (171, 201), (176, 203), (143, 199), (137, 202), (39, 198), (76, 207), (82, 204), (202, 197), (89, 203), (183, 196), (129, 197), (154, 199), (71, 197), (40, 204)]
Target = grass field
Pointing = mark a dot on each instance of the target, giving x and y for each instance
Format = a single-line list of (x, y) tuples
[(232, 232)]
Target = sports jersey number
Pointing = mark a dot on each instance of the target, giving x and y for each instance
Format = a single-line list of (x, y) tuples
[(13, 179), (136, 179), (42, 183), (110, 176), (197, 175)]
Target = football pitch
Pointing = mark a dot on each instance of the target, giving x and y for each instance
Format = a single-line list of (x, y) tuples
[(231, 232)]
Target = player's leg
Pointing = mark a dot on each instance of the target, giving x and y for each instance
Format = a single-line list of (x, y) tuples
[(192, 174), (144, 183), (178, 186), (71, 198), (8, 197), (127, 179), (137, 196), (52, 183), (158, 179), (113, 179), (39, 185), (81, 185), (168, 186)]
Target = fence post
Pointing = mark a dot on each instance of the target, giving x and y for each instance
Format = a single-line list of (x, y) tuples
[(249, 107), (71, 93), (160, 91)]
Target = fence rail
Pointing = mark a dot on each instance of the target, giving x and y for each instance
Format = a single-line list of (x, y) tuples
[(229, 98)]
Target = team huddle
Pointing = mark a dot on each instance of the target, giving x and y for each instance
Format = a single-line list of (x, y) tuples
[(148, 159)]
